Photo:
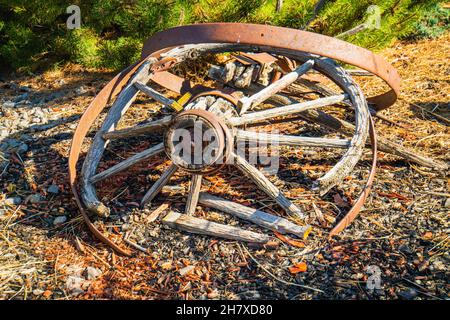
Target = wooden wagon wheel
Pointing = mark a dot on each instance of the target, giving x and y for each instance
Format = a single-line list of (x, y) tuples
[(229, 114), (228, 125)]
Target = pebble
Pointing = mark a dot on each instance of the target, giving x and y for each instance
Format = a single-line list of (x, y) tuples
[(38, 292), (75, 284), (81, 90), (92, 273), (186, 270), (22, 148), (35, 198), (59, 220), (53, 189), (408, 294), (9, 104), (13, 200)]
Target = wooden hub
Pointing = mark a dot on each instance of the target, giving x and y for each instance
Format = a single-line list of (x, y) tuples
[(196, 141)]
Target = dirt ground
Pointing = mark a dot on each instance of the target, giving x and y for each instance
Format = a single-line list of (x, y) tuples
[(46, 252)]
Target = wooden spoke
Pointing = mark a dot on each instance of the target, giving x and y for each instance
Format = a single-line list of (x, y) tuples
[(158, 96), (286, 110), (152, 126), (250, 102), (290, 140), (265, 185), (159, 184), (258, 217), (128, 162), (194, 191), (205, 227)]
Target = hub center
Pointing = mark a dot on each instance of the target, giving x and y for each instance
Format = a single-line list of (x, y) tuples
[(196, 141)]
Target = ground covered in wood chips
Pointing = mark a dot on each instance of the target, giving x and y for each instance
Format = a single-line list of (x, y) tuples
[(46, 252)]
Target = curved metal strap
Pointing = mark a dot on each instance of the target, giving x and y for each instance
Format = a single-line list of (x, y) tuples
[(279, 37)]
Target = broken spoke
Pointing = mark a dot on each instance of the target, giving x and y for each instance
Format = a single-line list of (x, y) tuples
[(159, 184)]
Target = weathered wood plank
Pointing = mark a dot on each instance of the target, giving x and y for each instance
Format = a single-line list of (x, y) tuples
[(205, 227), (258, 217)]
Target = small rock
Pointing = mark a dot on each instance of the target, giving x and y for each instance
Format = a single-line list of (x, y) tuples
[(59, 220), (439, 265), (9, 104), (92, 273), (250, 295), (3, 133), (21, 97), (22, 148), (80, 90), (53, 189), (186, 270), (38, 292), (405, 249), (13, 201), (35, 198), (408, 294), (74, 285)]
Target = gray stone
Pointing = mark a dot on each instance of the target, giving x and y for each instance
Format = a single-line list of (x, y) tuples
[(59, 220), (9, 104), (35, 198), (38, 292), (21, 97), (186, 270), (408, 294), (75, 285), (22, 148), (53, 189), (13, 200), (38, 112), (92, 273), (81, 90)]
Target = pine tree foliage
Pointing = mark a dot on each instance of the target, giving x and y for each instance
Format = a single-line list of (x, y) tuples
[(33, 33)]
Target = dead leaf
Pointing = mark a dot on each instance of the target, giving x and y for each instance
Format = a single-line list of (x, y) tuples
[(299, 267)]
